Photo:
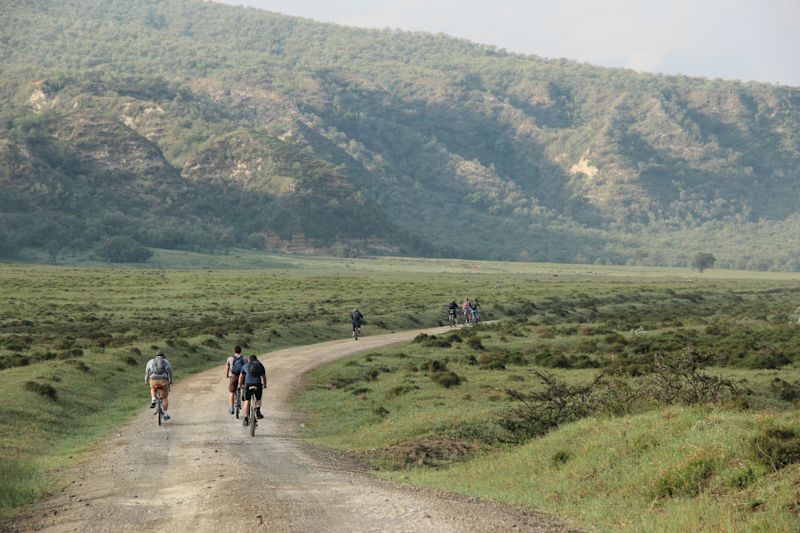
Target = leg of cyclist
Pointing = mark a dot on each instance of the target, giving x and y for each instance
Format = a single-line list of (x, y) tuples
[(246, 407), (232, 382), (258, 402)]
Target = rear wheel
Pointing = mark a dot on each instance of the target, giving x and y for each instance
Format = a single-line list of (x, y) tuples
[(158, 407), (253, 419), (238, 403)]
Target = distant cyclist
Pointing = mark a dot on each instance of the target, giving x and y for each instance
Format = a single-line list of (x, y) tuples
[(158, 375), (358, 319), (475, 307), (466, 307), (253, 374), (233, 367), (452, 313)]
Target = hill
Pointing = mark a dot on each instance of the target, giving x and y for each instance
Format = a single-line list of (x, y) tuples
[(195, 125)]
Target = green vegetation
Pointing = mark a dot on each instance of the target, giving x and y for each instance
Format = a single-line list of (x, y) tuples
[(649, 404), (191, 125), (74, 340)]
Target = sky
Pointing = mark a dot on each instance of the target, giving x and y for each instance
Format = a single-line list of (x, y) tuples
[(730, 39)]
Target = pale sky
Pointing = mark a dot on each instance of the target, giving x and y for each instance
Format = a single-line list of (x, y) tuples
[(730, 39)]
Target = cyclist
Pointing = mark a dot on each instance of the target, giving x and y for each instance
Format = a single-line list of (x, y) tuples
[(453, 309), (467, 309), (476, 311), (233, 367), (253, 375), (158, 375), (358, 319)]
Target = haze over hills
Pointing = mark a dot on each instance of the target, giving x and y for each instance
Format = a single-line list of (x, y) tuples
[(195, 125)]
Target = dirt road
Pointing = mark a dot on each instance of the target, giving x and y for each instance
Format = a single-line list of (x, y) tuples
[(203, 472)]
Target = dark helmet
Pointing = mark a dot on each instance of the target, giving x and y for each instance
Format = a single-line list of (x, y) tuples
[(161, 353)]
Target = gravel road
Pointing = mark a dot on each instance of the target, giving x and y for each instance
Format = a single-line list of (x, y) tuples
[(203, 472)]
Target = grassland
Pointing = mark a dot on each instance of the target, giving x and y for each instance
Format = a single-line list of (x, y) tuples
[(74, 339), (634, 461)]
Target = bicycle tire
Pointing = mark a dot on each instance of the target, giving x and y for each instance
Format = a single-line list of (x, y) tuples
[(253, 418), (158, 407), (238, 402)]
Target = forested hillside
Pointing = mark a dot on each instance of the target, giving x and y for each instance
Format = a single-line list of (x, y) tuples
[(188, 124)]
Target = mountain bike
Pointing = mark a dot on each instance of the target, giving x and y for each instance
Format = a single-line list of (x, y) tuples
[(159, 408), (356, 332), (237, 401), (452, 320), (252, 418)]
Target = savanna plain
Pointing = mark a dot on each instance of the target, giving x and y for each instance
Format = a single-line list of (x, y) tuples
[(613, 398)]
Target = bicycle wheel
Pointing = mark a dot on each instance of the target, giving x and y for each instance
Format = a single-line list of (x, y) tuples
[(238, 403), (158, 407), (253, 419)]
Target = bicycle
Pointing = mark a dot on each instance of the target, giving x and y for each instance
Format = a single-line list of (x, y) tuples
[(237, 402), (159, 408), (356, 332), (252, 418)]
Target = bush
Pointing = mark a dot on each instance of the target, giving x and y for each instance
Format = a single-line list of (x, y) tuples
[(42, 389), (446, 379), (689, 480), (784, 390), (123, 250), (475, 343), (541, 411), (777, 447), (561, 457)]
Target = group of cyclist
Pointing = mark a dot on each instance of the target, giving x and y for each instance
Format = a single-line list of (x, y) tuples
[(470, 310), (247, 377)]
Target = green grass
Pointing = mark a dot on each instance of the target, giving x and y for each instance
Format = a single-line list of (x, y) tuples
[(86, 331), (676, 469), (661, 468)]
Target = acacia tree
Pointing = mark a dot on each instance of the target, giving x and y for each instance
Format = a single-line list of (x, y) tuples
[(703, 260)]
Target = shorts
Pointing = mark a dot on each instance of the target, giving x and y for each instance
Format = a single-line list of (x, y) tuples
[(356, 326), (234, 382), (161, 384), (248, 393)]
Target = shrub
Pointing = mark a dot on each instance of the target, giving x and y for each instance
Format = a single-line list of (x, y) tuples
[(784, 390), (475, 343), (130, 361), (42, 389), (777, 447), (688, 480), (446, 379), (541, 411), (560, 457), (676, 378)]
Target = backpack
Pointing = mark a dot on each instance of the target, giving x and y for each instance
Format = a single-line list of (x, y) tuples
[(253, 369), (159, 366), (237, 364)]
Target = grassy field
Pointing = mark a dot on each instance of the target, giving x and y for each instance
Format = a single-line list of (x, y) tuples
[(74, 339), (444, 412)]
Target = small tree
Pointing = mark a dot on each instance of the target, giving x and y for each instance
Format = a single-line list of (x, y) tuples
[(703, 260)]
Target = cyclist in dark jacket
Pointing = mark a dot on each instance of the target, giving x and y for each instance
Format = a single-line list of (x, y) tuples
[(253, 374), (357, 318)]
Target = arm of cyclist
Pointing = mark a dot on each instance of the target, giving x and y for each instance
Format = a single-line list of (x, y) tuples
[(169, 371)]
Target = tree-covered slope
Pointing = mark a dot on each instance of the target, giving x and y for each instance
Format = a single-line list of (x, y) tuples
[(254, 128)]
